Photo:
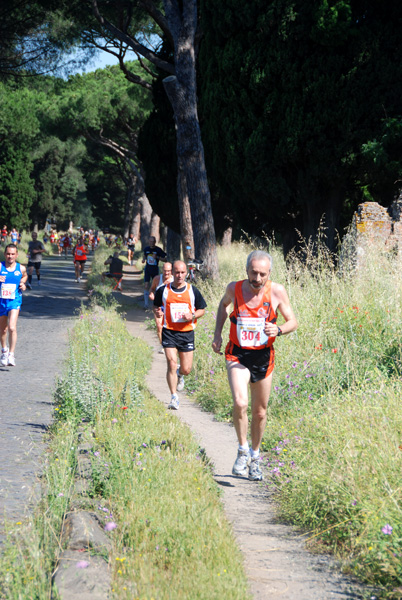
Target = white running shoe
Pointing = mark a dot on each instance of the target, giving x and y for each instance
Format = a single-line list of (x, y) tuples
[(240, 468), (4, 357), (161, 350), (174, 402), (79, 279), (11, 359), (254, 469), (180, 381)]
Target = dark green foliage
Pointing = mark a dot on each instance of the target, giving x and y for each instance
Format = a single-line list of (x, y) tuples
[(157, 152), (105, 190), (290, 94), (59, 180), (19, 126)]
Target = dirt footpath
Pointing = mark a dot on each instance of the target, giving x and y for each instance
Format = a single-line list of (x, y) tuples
[(276, 562)]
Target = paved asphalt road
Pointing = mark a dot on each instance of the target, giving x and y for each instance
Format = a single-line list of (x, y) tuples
[(26, 390)]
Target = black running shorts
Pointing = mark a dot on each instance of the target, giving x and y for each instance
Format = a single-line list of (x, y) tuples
[(183, 341)]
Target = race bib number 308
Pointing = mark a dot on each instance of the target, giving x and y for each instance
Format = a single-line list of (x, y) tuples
[(8, 291), (250, 332), (177, 312)]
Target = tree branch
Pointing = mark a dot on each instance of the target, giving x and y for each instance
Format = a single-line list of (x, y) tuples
[(131, 42), (159, 19)]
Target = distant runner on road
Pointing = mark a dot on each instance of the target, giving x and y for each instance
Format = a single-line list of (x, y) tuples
[(80, 258), (115, 268), (250, 353), (152, 255), (35, 251), (182, 305), (157, 282), (12, 283), (131, 242)]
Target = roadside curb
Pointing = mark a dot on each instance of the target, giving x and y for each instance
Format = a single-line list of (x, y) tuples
[(83, 569)]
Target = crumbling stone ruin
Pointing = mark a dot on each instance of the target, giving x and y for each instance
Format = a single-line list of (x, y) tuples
[(373, 224)]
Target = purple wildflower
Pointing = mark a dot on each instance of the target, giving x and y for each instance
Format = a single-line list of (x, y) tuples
[(387, 529)]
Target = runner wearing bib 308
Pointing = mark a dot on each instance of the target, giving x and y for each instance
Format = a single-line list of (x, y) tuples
[(12, 282), (250, 353)]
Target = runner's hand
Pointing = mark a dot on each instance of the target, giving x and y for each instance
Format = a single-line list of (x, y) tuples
[(270, 329), (216, 345)]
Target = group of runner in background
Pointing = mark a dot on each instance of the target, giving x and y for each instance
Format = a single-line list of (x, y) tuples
[(177, 306)]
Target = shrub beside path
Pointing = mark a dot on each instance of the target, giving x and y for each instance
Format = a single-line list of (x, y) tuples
[(276, 561), (27, 389)]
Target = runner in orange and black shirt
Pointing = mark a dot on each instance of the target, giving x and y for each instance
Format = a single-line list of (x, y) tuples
[(250, 353), (80, 257), (180, 304)]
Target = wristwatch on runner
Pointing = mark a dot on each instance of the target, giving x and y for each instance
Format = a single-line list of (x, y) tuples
[(280, 332)]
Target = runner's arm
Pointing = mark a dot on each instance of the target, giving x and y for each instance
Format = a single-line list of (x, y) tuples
[(284, 307), (161, 254), (153, 287), (222, 315), (24, 277), (199, 306), (158, 302)]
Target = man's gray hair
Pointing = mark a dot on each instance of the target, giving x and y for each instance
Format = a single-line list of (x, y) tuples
[(259, 255)]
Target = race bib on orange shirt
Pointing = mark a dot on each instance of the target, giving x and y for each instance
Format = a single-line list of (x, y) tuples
[(250, 331), (177, 312)]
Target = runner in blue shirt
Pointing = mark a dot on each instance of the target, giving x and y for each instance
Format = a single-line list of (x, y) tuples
[(12, 283)]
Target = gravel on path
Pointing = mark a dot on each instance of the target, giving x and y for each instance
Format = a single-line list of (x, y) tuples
[(276, 561), (26, 397)]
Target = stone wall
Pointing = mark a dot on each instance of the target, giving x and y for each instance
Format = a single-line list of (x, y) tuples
[(372, 225)]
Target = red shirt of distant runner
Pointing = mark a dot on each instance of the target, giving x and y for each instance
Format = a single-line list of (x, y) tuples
[(80, 253)]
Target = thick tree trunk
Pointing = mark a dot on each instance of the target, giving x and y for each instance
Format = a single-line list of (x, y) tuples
[(321, 219), (136, 219), (146, 215), (129, 206), (186, 228), (190, 153), (155, 226), (179, 25), (227, 236), (173, 245), (163, 237)]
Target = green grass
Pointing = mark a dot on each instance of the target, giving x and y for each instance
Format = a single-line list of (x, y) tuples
[(149, 479), (333, 442), (332, 446)]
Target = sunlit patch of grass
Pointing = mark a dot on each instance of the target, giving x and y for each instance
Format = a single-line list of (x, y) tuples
[(334, 433)]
